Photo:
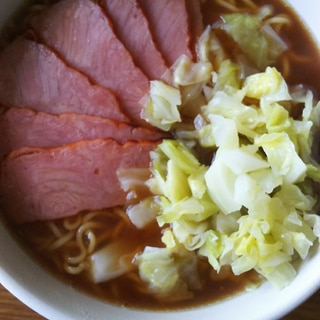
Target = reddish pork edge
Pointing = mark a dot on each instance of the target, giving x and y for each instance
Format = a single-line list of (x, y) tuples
[(33, 76), (44, 184), (196, 26), (83, 36), (170, 27), (22, 127), (132, 28)]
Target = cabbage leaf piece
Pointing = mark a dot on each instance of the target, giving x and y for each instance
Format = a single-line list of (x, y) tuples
[(170, 273), (268, 85), (257, 40), (282, 156), (111, 261), (162, 107)]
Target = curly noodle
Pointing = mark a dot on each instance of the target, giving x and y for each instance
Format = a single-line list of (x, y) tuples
[(70, 241), (234, 5)]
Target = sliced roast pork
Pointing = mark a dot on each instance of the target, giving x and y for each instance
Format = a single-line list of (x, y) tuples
[(132, 28), (170, 27), (83, 36), (33, 76), (43, 184), (22, 127)]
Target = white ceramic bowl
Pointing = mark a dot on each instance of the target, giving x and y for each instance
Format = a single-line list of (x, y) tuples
[(56, 300)]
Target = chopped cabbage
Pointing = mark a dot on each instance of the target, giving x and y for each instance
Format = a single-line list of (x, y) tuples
[(236, 186), (209, 48), (268, 85), (170, 273), (111, 261), (282, 156), (142, 213), (157, 266), (187, 73), (258, 41), (162, 106)]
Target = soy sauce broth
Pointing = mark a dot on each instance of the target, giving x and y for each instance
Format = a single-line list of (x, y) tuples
[(305, 69)]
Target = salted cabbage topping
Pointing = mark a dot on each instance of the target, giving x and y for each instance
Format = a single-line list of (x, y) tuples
[(251, 204)]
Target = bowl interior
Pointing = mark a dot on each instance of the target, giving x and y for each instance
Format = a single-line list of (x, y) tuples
[(56, 300)]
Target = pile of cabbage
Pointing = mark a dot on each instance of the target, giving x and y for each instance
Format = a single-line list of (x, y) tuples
[(253, 206)]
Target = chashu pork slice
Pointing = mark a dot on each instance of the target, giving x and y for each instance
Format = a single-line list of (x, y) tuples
[(169, 25), (132, 28), (196, 25), (22, 127), (81, 33), (33, 76), (43, 184)]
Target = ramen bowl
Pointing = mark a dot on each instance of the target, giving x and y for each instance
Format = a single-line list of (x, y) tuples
[(55, 299)]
